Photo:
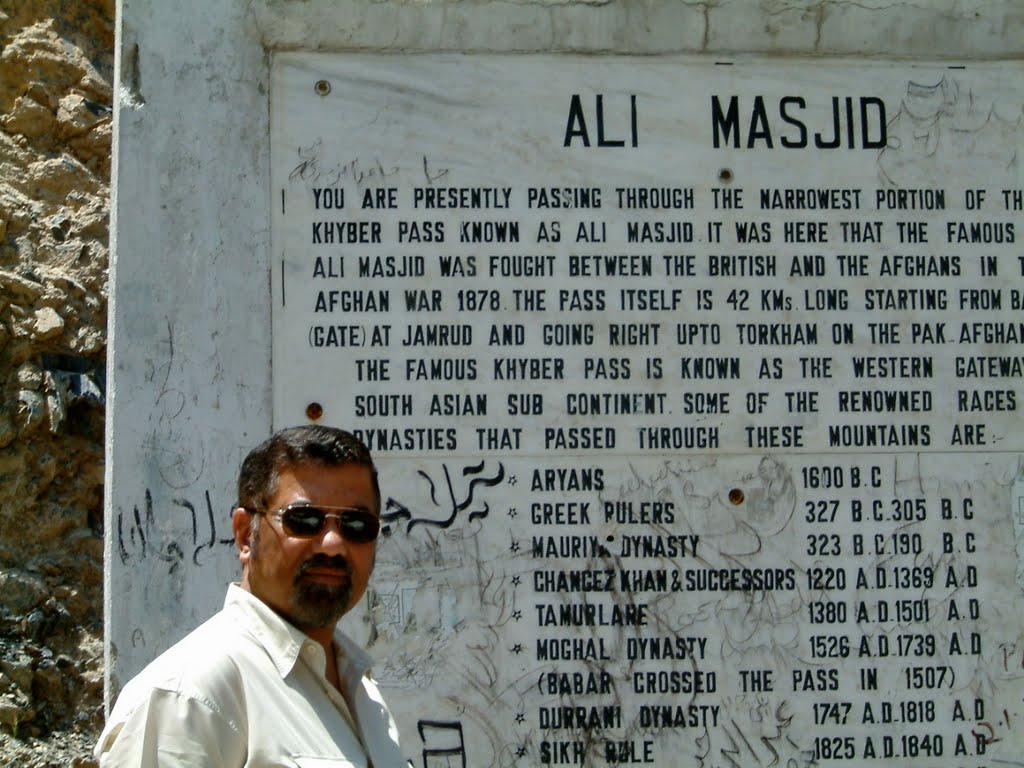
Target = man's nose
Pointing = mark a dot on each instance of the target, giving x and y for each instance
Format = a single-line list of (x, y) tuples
[(331, 538)]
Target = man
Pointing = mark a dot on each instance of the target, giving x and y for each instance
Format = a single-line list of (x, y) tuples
[(270, 680)]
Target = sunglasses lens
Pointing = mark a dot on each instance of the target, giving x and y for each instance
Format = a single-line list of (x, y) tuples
[(302, 521), (356, 525), (359, 526)]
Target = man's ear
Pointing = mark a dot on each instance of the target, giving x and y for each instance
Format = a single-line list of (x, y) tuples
[(241, 525)]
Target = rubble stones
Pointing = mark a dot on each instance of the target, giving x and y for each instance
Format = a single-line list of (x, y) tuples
[(20, 591), (47, 324), (56, 66)]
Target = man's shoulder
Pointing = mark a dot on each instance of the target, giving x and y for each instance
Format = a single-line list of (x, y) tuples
[(198, 683), (206, 664)]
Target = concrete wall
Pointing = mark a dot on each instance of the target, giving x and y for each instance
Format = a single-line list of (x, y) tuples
[(189, 363)]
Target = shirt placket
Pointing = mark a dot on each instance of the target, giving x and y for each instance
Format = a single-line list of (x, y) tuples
[(314, 657)]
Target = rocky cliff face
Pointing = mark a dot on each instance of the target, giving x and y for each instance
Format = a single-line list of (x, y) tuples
[(56, 69)]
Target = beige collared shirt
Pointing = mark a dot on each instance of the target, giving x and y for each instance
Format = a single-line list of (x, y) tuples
[(248, 689)]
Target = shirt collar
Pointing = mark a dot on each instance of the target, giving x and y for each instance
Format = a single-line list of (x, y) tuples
[(284, 642), (353, 662)]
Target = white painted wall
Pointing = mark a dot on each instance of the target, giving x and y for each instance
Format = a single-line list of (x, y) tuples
[(189, 335)]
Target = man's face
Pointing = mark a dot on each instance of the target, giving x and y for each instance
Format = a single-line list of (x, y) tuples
[(310, 581)]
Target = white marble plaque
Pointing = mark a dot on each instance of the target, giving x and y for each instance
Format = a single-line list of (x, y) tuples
[(695, 390)]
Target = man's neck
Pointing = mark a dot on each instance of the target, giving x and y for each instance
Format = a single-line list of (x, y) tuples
[(323, 635)]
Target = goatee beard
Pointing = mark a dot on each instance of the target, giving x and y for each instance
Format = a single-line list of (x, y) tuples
[(316, 605)]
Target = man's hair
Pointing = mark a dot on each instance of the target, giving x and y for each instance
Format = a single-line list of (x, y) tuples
[(312, 444)]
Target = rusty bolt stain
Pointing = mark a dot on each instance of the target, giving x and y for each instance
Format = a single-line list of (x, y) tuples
[(736, 496), (322, 87), (725, 175), (314, 411)]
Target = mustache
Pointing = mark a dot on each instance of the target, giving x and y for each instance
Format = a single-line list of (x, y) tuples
[(320, 560)]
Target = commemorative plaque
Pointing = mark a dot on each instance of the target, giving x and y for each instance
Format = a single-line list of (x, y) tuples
[(694, 388)]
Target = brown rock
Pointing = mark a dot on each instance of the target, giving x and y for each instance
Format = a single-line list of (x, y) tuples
[(12, 713), (19, 669), (93, 148), (29, 376), (30, 411), (53, 179), (20, 287), (47, 682), (7, 430), (21, 591), (75, 116), (47, 324), (29, 118)]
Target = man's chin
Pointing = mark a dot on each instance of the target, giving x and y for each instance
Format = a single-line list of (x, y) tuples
[(316, 605)]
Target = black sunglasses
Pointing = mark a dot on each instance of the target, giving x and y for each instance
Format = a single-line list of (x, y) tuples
[(303, 520)]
